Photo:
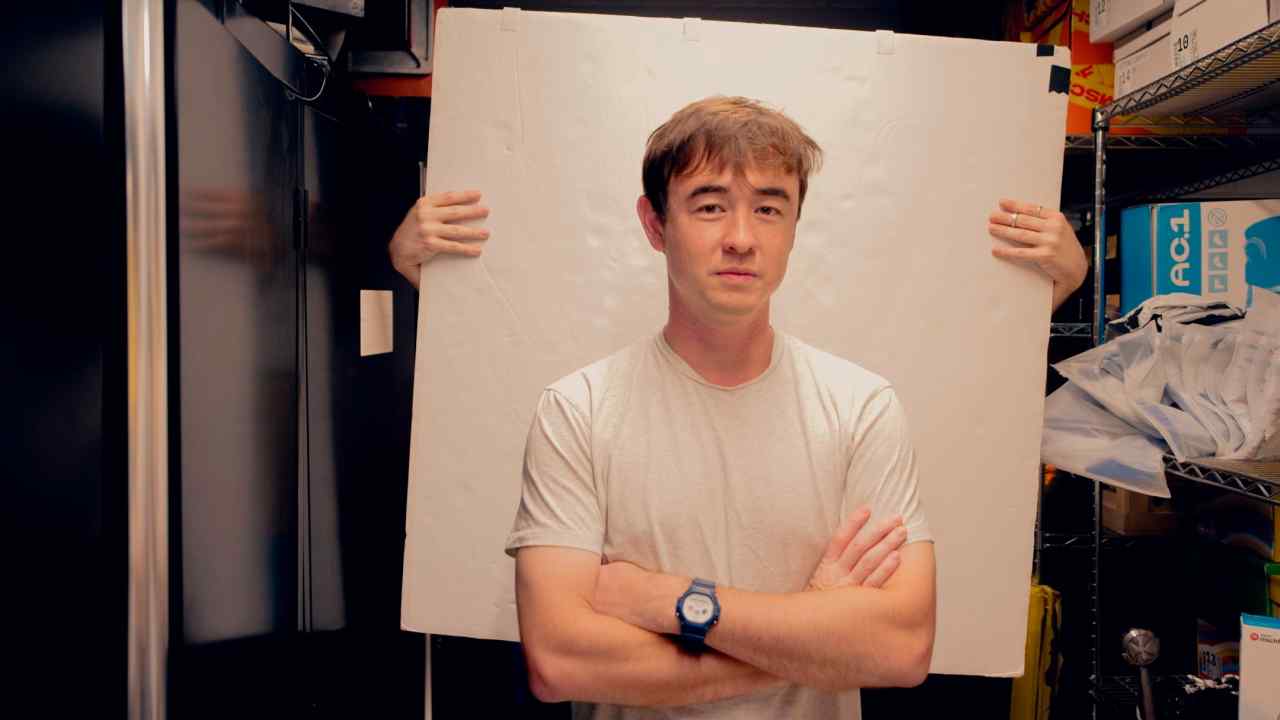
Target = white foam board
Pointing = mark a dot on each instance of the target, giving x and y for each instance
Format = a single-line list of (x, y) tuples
[(548, 113)]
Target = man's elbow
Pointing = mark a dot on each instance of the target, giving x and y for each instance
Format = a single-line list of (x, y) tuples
[(914, 657), (547, 676)]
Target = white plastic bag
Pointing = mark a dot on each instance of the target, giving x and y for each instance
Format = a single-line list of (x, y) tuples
[(1192, 390), (1129, 377), (1084, 438), (1256, 367)]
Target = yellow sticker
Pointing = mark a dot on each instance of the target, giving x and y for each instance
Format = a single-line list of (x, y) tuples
[(1092, 85)]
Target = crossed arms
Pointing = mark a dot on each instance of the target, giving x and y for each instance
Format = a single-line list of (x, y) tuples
[(599, 633)]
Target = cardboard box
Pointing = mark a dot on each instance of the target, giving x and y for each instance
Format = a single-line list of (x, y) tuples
[(1144, 56), (1217, 651), (1109, 20), (1202, 26), (1131, 513), (1214, 249), (1259, 668)]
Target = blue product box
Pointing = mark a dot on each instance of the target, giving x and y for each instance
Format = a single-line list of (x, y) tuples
[(1217, 249)]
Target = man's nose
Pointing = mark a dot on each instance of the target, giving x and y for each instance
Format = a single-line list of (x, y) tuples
[(740, 238)]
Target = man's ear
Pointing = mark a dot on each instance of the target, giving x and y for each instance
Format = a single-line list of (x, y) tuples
[(652, 223)]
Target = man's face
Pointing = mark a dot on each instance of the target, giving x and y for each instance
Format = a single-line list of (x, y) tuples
[(727, 237)]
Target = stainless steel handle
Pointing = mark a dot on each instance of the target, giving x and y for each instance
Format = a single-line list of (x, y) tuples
[(148, 421)]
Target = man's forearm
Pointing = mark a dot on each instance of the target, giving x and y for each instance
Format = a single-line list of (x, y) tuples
[(605, 660), (835, 640), (832, 639)]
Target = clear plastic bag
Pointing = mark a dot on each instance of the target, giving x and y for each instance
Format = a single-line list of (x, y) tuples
[(1191, 390), (1084, 438)]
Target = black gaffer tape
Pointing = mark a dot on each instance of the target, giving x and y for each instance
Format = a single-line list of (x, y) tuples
[(1059, 79)]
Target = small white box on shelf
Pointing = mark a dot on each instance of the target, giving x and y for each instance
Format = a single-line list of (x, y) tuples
[(1144, 56), (1201, 27), (1110, 20), (1259, 667)]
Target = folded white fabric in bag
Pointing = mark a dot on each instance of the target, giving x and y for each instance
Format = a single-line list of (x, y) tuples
[(1128, 377), (1194, 390), (1084, 438), (1191, 355), (1254, 377)]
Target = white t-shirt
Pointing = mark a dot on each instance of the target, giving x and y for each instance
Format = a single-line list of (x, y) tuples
[(640, 458)]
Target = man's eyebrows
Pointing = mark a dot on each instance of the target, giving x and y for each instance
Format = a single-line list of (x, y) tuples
[(722, 190)]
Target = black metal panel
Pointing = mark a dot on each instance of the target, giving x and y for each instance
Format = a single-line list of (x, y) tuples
[(330, 348), (358, 176), (361, 406), (62, 361)]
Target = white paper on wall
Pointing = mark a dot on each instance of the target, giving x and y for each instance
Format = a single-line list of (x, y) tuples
[(548, 113)]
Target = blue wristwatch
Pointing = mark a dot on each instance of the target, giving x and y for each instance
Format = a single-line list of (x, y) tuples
[(698, 611)]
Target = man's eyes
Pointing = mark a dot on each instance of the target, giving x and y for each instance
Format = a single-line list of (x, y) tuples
[(715, 209)]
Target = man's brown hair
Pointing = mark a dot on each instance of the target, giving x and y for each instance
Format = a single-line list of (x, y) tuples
[(722, 132)]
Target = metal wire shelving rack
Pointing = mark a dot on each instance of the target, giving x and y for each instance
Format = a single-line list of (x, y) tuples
[(1226, 101)]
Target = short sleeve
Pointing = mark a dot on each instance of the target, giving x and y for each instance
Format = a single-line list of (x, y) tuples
[(558, 502), (882, 466)]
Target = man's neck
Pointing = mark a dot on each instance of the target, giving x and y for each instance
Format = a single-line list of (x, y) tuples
[(727, 354)]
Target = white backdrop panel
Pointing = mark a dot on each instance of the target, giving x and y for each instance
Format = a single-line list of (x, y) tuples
[(547, 113)]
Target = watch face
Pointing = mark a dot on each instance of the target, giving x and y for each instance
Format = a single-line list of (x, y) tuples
[(698, 608)]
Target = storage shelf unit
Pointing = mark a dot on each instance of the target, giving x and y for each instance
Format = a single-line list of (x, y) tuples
[(1239, 78), (1107, 539), (1259, 480), (1220, 141), (1070, 330), (1224, 101), (1191, 188), (1120, 692)]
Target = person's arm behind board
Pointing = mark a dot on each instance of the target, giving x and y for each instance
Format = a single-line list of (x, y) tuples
[(1043, 237), (430, 228)]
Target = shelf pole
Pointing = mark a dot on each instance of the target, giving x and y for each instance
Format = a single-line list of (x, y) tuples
[(1100, 126)]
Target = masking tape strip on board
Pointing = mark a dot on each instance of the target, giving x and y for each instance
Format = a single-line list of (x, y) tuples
[(692, 29), (885, 42), (510, 19)]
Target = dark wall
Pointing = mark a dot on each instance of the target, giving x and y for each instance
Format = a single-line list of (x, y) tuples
[(62, 472), (972, 19)]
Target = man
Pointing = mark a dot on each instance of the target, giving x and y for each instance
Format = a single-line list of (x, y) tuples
[(702, 483)]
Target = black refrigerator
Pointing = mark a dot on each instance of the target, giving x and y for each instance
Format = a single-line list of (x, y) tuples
[(204, 480)]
